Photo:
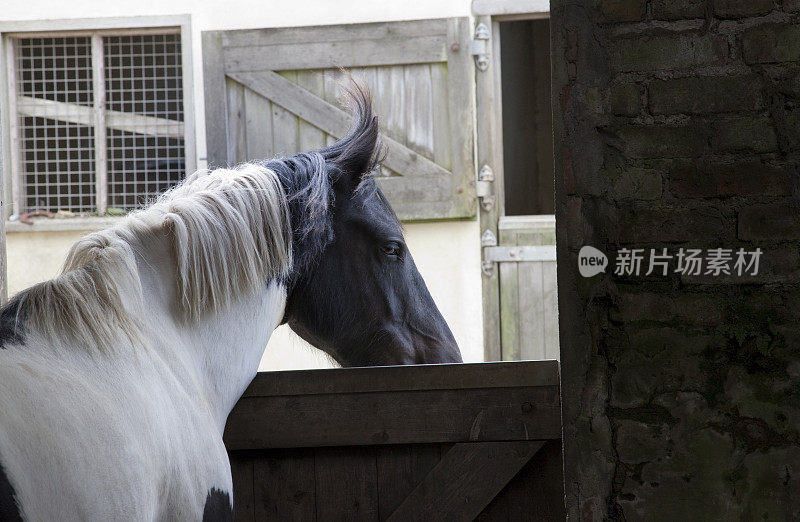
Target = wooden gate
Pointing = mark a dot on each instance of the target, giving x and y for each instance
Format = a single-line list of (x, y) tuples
[(279, 91), (435, 442)]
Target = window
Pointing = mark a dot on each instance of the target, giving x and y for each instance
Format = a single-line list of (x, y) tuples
[(96, 119)]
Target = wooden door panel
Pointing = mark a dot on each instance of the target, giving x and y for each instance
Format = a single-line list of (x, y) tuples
[(420, 77)]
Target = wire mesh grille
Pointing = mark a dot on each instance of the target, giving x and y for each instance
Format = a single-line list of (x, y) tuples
[(146, 155), (54, 77), (56, 118)]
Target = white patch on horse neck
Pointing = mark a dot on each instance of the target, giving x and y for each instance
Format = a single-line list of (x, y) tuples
[(127, 425)]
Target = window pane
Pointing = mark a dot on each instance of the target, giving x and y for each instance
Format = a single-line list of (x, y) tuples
[(144, 97), (54, 88)]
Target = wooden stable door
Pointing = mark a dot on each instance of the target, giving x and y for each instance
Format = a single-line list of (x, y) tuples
[(405, 443), (280, 91), (515, 183)]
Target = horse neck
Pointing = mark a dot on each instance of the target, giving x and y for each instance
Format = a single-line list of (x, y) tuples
[(215, 357)]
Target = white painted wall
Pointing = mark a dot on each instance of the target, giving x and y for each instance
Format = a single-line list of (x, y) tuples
[(447, 254)]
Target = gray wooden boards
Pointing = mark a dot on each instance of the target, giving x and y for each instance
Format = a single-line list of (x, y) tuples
[(280, 91)]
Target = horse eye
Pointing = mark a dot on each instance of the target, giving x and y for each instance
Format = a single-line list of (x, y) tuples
[(391, 249)]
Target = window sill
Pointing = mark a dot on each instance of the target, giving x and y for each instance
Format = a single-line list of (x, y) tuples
[(83, 224)]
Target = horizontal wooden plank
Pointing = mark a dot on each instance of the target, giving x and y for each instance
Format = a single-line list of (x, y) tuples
[(405, 378), (334, 33), (333, 120), (400, 417), (467, 478), (83, 115), (350, 53)]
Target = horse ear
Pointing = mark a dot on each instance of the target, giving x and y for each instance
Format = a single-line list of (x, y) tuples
[(360, 151)]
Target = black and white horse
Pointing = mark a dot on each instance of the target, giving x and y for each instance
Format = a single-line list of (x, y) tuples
[(116, 378)]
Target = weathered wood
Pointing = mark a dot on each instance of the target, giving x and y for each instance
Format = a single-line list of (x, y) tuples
[(317, 55), (237, 132), (404, 378), (334, 33), (82, 115), (400, 469), (509, 311), (428, 173), (311, 137), (285, 486), (531, 310), (442, 151), (490, 152), (398, 417), (243, 484), (345, 484), (285, 124), (467, 478), (258, 126), (331, 119), (419, 109), (215, 109), (461, 87), (550, 307)]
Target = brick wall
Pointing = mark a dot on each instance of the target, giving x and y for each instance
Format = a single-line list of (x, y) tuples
[(678, 125)]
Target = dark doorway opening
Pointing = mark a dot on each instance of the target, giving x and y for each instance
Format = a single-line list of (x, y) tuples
[(527, 117)]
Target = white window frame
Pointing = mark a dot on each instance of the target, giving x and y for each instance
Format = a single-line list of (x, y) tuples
[(117, 26)]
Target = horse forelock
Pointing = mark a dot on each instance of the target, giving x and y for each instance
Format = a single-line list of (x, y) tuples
[(308, 179), (230, 235)]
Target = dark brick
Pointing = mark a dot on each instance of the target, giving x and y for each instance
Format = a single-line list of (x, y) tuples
[(624, 99), (705, 94), (684, 308), (748, 134), (771, 43), (648, 224), (661, 141), (776, 265), (779, 221), (788, 127), (742, 8), (634, 183), (667, 51), (623, 10), (747, 177), (672, 10)]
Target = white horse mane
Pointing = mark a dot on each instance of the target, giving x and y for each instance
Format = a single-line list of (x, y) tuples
[(230, 232)]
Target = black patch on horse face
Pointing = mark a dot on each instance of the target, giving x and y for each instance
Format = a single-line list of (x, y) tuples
[(12, 320), (218, 506), (355, 291), (9, 510)]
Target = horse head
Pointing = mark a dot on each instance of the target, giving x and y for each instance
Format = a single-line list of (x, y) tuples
[(355, 291)]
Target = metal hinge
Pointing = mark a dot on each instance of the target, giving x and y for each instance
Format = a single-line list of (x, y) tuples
[(483, 188), (493, 254), (480, 46)]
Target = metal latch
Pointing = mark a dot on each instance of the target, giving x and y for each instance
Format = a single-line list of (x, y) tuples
[(488, 240), (483, 187), (480, 47), (511, 254)]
